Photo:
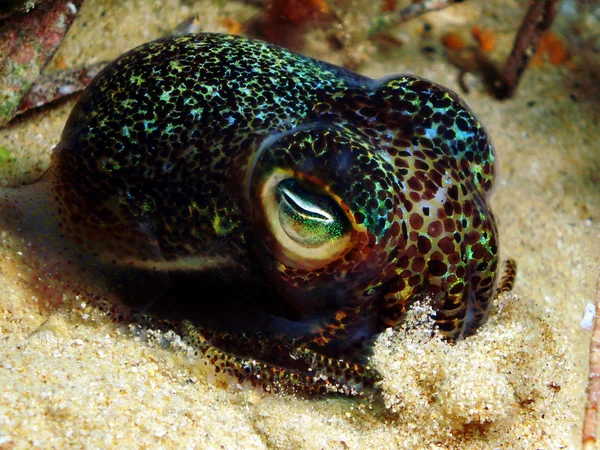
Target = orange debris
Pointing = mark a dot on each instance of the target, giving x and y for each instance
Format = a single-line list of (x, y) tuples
[(537, 59), (285, 22), (389, 6), (485, 38), (60, 63), (232, 26), (557, 51), (453, 41), (552, 46), (300, 11)]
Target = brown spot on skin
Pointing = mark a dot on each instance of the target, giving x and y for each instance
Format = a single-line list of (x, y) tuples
[(486, 282), (437, 256), (415, 184), (412, 251), (457, 289), (457, 208), (418, 264), (436, 268), (416, 221), (446, 245), (448, 209), (479, 251), (436, 177), (451, 302), (454, 258), (422, 165), (415, 196), (434, 229), (415, 280), (472, 237), (424, 245), (353, 256), (468, 208), (400, 284)]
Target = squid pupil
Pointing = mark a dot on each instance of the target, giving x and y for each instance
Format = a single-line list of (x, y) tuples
[(308, 217)]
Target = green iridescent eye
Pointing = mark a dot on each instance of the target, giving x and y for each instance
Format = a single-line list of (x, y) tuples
[(306, 224), (309, 218)]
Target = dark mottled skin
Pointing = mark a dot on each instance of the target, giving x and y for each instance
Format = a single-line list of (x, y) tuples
[(162, 162)]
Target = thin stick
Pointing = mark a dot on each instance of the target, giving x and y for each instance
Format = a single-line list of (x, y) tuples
[(410, 12), (538, 19), (590, 420)]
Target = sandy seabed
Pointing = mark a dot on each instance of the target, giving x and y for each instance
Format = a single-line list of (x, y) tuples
[(71, 378)]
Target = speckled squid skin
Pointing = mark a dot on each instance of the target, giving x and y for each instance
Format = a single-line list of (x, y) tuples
[(165, 154)]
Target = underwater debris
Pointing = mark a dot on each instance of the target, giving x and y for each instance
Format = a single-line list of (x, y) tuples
[(553, 49), (453, 41), (485, 38), (285, 22), (590, 418), (538, 19), (28, 40), (408, 13)]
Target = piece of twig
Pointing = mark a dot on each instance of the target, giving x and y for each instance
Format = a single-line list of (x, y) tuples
[(410, 12), (590, 419), (538, 19), (53, 86)]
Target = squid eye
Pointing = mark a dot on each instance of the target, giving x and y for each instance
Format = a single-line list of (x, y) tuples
[(309, 218), (307, 226)]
